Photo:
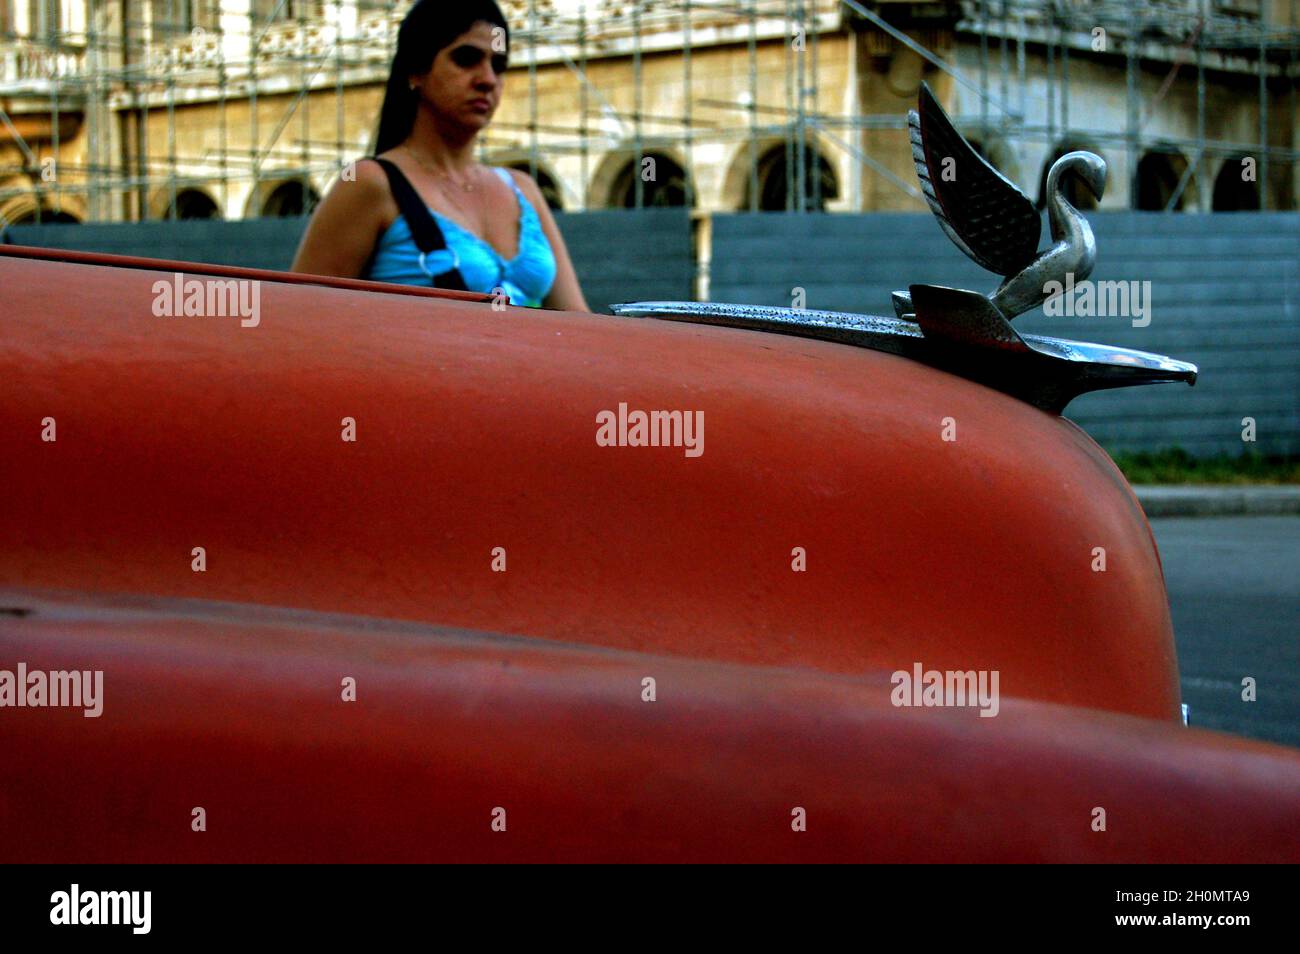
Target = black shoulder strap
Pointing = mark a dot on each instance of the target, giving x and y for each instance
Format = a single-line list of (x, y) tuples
[(424, 228)]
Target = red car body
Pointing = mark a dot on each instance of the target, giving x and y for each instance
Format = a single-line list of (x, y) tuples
[(524, 689)]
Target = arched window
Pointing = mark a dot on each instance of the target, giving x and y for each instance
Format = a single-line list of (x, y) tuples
[(1235, 188), (1158, 175), (192, 204), (776, 177), (663, 183), (289, 199), (46, 217)]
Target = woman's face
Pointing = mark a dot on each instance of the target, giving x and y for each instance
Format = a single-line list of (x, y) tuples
[(464, 83)]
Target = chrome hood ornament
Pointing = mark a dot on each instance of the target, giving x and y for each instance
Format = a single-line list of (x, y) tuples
[(965, 332), (992, 221)]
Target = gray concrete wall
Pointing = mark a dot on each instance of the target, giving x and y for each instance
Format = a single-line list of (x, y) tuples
[(619, 255), (249, 243), (622, 255)]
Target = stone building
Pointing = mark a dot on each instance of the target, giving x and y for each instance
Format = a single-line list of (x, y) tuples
[(117, 110)]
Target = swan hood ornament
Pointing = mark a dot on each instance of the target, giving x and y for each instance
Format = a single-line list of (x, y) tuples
[(966, 332), (992, 221)]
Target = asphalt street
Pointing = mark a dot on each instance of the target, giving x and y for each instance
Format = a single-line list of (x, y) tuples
[(1234, 592)]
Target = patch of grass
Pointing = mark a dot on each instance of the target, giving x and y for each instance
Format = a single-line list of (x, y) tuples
[(1176, 466)]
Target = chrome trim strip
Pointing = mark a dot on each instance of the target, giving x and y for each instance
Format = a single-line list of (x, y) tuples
[(971, 339)]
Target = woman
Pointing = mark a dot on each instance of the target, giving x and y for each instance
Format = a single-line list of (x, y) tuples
[(489, 229)]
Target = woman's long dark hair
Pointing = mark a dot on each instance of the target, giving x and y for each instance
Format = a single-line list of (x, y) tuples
[(430, 26)]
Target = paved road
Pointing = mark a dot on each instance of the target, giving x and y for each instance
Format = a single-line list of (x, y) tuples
[(1234, 591)]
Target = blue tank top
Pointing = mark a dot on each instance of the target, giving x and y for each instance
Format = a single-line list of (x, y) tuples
[(526, 278)]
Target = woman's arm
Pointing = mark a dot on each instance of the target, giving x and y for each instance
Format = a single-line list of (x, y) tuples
[(565, 293), (346, 225)]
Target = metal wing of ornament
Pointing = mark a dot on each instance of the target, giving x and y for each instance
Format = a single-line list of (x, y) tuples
[(983, 212)]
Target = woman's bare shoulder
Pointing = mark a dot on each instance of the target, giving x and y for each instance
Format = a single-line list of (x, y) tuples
[(366, 190), (343, 229), (529, 186), (370, 171), (520, 176)]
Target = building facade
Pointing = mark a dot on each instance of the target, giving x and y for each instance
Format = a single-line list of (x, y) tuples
[(113, 110)]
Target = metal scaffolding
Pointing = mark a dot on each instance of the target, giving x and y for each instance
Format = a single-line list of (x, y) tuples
[(114, 64)]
